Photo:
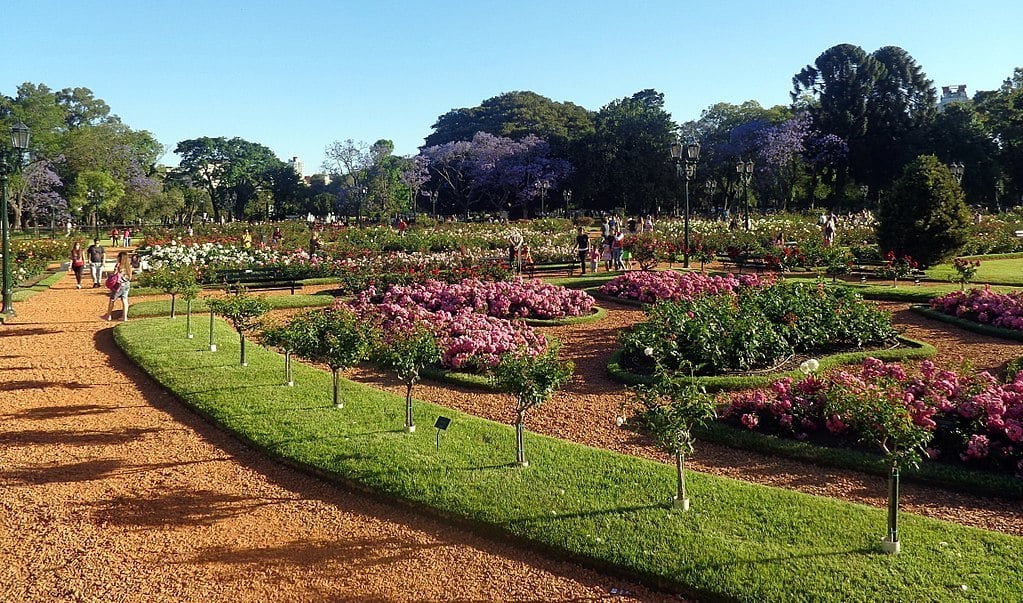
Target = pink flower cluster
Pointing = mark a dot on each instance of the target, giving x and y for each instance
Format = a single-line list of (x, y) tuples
[(974, 419), (651, 287), (526, 299), (469, 341), (1003, 310)]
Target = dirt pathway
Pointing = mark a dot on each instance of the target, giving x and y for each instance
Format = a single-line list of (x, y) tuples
[(111, 491)]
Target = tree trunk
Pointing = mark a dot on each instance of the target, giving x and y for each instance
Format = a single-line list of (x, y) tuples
[(893, 505), (410, 423), (173, 299), (287, 369), (241, 342), (682, 497), (520, 444), (188, 319), (337, 399)]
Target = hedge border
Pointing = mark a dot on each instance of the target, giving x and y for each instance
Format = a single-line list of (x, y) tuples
[(969, 325)]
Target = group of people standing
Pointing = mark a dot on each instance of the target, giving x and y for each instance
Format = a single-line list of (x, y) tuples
[(120, 237), (610, 248), (122, 273)]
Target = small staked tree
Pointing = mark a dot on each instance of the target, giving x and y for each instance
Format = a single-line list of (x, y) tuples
[(172, 280), (188, 293), (243, 311), (677, 407), (290, 337), (407, 354), (881, 418), (532, 380), (340, 339)]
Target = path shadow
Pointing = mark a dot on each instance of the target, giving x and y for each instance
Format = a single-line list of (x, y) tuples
[(180, 508), (358, 552), (37, 437), (15, 331), (16, 385), (43, 413)]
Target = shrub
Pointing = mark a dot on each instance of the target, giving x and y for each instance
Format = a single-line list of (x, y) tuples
[(1004, 310), (754, 328), (925, 216)]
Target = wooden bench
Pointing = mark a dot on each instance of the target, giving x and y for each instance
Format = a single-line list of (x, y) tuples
[(866, 271), (567, 268), (255, 278)]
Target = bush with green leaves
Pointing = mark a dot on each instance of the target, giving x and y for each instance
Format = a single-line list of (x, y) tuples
[(754, 328), (335, 337), (532, 379), (925, 216), (675, 408), (242, 310), (172, 280), (407, 354)]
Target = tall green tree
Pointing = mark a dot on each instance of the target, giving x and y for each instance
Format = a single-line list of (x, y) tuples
[(1002, 112), (925, 216), (229, 170), (625, 161), (903, 103), (515, 115)]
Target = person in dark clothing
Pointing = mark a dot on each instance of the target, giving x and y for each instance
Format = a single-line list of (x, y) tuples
[(582, 247)]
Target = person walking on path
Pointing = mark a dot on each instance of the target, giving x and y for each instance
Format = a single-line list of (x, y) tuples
[(95, 253), (123, 271), (77, 263), (582, 247)]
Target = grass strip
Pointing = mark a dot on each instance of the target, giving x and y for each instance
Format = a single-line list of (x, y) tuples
[(969, 325), (740, 542), (161, 307)]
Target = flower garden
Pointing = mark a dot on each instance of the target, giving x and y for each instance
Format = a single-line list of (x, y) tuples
[(447, 299)]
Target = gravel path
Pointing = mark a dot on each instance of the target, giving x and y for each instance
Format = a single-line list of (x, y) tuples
[(111, 491)]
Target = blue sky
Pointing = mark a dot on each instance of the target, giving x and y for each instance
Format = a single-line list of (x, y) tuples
[(298, 75)]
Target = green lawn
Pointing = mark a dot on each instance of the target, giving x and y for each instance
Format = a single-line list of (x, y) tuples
[(741, 541), (993, 270)]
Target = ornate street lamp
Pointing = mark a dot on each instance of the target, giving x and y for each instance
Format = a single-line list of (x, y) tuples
[(957, 170), (20, 134), (542, 186), (95, 200), (567, 194), (692, 156), (744, 169)]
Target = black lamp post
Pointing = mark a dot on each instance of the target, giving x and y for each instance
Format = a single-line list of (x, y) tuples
[(711, 186), (433, 197), (692, 155), (745, 171), (567, 194), (957, 170), (20, 134), (542, 186)]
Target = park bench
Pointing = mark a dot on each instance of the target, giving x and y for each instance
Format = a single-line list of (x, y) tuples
[(255, 278), (865, 271), (534, 270)]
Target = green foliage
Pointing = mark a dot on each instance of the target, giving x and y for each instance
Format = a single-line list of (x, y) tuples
[(334, 336), (407, 354), (532, 379), (880, 419), (759, 327), (675, 408), (925, 216), (241, 309), (965, 271)]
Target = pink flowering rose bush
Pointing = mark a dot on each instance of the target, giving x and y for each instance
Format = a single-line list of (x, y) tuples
[(1004, 310), (469, 341), (974, 419), (505, 299), (651, 287)]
